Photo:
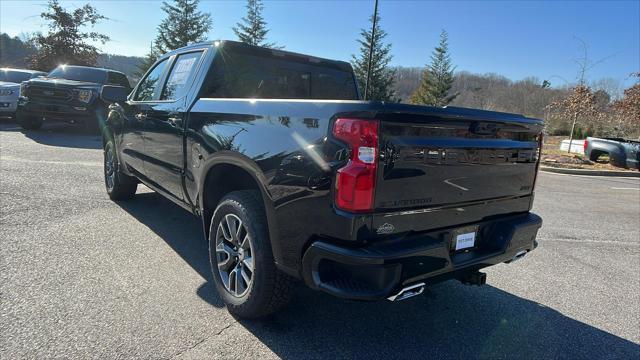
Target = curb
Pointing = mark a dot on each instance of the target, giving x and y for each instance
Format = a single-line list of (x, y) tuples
[(631, 174)]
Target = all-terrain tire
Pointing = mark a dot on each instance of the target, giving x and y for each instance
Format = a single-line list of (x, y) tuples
[(269, 289), (119, 186)]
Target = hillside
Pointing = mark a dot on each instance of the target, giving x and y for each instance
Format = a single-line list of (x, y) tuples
[(14, 52)]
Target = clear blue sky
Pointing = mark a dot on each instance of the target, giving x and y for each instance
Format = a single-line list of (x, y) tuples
[(513, 38)]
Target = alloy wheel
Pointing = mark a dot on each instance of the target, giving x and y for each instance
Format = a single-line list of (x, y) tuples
[(234, 255)]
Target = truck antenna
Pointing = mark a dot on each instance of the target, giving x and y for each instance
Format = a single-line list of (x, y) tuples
[(373, 37)]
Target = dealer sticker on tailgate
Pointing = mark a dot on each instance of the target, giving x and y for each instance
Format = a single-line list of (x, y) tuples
[(464, 238)]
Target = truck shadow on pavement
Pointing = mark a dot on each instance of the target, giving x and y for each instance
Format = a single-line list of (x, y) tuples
[(450, 321), (60, 135)]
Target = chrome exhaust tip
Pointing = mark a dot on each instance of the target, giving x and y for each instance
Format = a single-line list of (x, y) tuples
[(519, 255), (408, 292)]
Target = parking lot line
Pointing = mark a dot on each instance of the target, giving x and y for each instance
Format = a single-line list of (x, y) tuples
[(81, 163)]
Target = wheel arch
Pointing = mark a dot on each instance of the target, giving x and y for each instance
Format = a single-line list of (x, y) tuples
[(229, 171), (615, 152)]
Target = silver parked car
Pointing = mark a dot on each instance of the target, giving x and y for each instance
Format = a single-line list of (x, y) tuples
[(10, 80)]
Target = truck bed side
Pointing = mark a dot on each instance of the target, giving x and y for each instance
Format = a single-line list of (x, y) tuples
[(288, 147)]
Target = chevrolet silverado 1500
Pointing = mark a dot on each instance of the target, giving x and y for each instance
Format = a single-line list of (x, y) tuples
[(295, 178)]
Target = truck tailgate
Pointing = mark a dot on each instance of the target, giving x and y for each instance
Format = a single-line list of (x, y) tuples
[(430, 161)]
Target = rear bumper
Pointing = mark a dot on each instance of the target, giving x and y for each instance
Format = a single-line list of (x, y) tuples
[(379, 269)]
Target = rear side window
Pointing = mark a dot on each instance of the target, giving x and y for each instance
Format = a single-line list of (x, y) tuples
[(268, 76), (114, 78), (147, 86), (179, 79)]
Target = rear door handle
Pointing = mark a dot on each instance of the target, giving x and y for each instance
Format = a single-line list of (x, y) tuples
[(175, 121), (141, 116)]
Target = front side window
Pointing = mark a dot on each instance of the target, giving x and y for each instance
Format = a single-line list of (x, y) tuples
[(147, 87), (182, 72)]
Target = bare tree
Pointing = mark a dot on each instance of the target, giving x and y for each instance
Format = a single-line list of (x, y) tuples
[(627, 110), (585, 64), (579, 103)]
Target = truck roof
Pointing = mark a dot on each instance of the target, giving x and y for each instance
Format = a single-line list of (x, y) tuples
[(259, 50), (93, 67)]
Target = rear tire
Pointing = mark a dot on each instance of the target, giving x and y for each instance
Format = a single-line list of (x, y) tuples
[(28, 121), (119, 186), (260, 288)]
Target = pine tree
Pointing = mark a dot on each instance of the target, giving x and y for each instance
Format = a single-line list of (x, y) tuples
[(66, 43), (183, 25), (382, 78), (437, 78), (147, 61), (253, 28)]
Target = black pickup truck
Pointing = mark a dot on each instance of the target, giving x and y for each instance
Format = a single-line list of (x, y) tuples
[(68, 93), (295, 178)]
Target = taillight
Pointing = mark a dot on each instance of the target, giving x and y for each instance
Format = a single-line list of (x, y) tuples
[(355, 183), (586, 142)]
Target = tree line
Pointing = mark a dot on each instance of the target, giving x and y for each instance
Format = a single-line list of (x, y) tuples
[(586, 109)]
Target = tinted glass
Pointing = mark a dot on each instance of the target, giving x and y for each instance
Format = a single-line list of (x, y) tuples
[(267, 75), (147, 87), (115, 78), (180, 77), (14, 76), (79, 73)]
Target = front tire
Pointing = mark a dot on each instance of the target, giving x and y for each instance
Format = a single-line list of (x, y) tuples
[(28, 121), (242, 263), (119, 186)]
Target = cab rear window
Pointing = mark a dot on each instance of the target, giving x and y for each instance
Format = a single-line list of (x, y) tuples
[(266, 75)]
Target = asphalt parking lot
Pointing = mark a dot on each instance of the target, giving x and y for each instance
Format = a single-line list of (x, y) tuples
[(81, 276)]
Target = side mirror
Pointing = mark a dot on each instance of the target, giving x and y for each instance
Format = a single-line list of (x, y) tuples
[(114, 94)]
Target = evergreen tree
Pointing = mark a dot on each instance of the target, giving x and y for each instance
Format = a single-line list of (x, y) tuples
[(382, 78), (66, 42), (147, 61), (253, 28), (437, 78), (183, 25)]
